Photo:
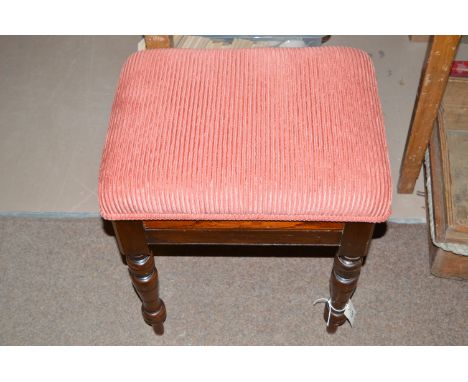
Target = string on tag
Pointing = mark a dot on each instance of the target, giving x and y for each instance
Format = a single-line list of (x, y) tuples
[(330, 307)]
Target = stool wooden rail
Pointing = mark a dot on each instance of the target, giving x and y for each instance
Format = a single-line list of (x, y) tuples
[(134, 238)]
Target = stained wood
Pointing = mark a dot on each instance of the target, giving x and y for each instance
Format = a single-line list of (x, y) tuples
[(130, 237), (243, 237), (158, 41), (449, 165), (242, 225), (437, 186), (346, 270), (431, 90), (454, 141), (447, 264), (444, 263), (356, 239), (132, 243), (134, 238), (242, 232), (448, 201)]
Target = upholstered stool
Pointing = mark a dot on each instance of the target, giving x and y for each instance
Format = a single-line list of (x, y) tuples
[(269, 146)]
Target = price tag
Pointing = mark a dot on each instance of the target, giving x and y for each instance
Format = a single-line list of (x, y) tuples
[(350, 312)]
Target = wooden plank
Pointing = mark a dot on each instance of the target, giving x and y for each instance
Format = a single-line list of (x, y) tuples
[(243, 225), (243, 232), (452, 140), (444, 263), (447, 264), (243, 237), (431, 90), (456, 184), (158, 41), (437, 186)]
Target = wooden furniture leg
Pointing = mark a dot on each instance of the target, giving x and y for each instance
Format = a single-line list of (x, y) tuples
[(431, 90), (134, 238), (346, 269), (140, 260)]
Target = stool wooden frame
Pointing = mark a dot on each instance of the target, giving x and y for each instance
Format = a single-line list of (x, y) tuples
[(135, 237)]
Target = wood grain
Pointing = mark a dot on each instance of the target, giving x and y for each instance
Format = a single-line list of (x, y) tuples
[(437, 185), (449, 165), (431, 90), (242, 225), (454, 138), (243, 237), (443, 263), (242, 232), (158, 41), (447, 264)]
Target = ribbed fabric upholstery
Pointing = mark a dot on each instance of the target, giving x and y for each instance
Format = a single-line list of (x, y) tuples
[(246, 134)]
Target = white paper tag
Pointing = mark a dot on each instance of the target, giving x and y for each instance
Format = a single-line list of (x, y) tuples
[(350, 312), (141, 45)]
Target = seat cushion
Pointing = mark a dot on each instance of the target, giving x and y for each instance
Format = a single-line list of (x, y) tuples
[(246, 134)]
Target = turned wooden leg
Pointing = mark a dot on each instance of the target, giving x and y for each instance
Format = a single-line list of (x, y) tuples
[(140, 260), (346, 269)]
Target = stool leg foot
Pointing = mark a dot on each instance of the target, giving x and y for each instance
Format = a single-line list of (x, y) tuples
[(346, 269), (343, 282), (140, 260), (145, 280)]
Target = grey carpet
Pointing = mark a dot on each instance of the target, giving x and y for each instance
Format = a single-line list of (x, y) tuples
[(62, 282)]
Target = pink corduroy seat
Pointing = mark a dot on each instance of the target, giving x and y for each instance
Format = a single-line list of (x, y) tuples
[(246, 134)]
